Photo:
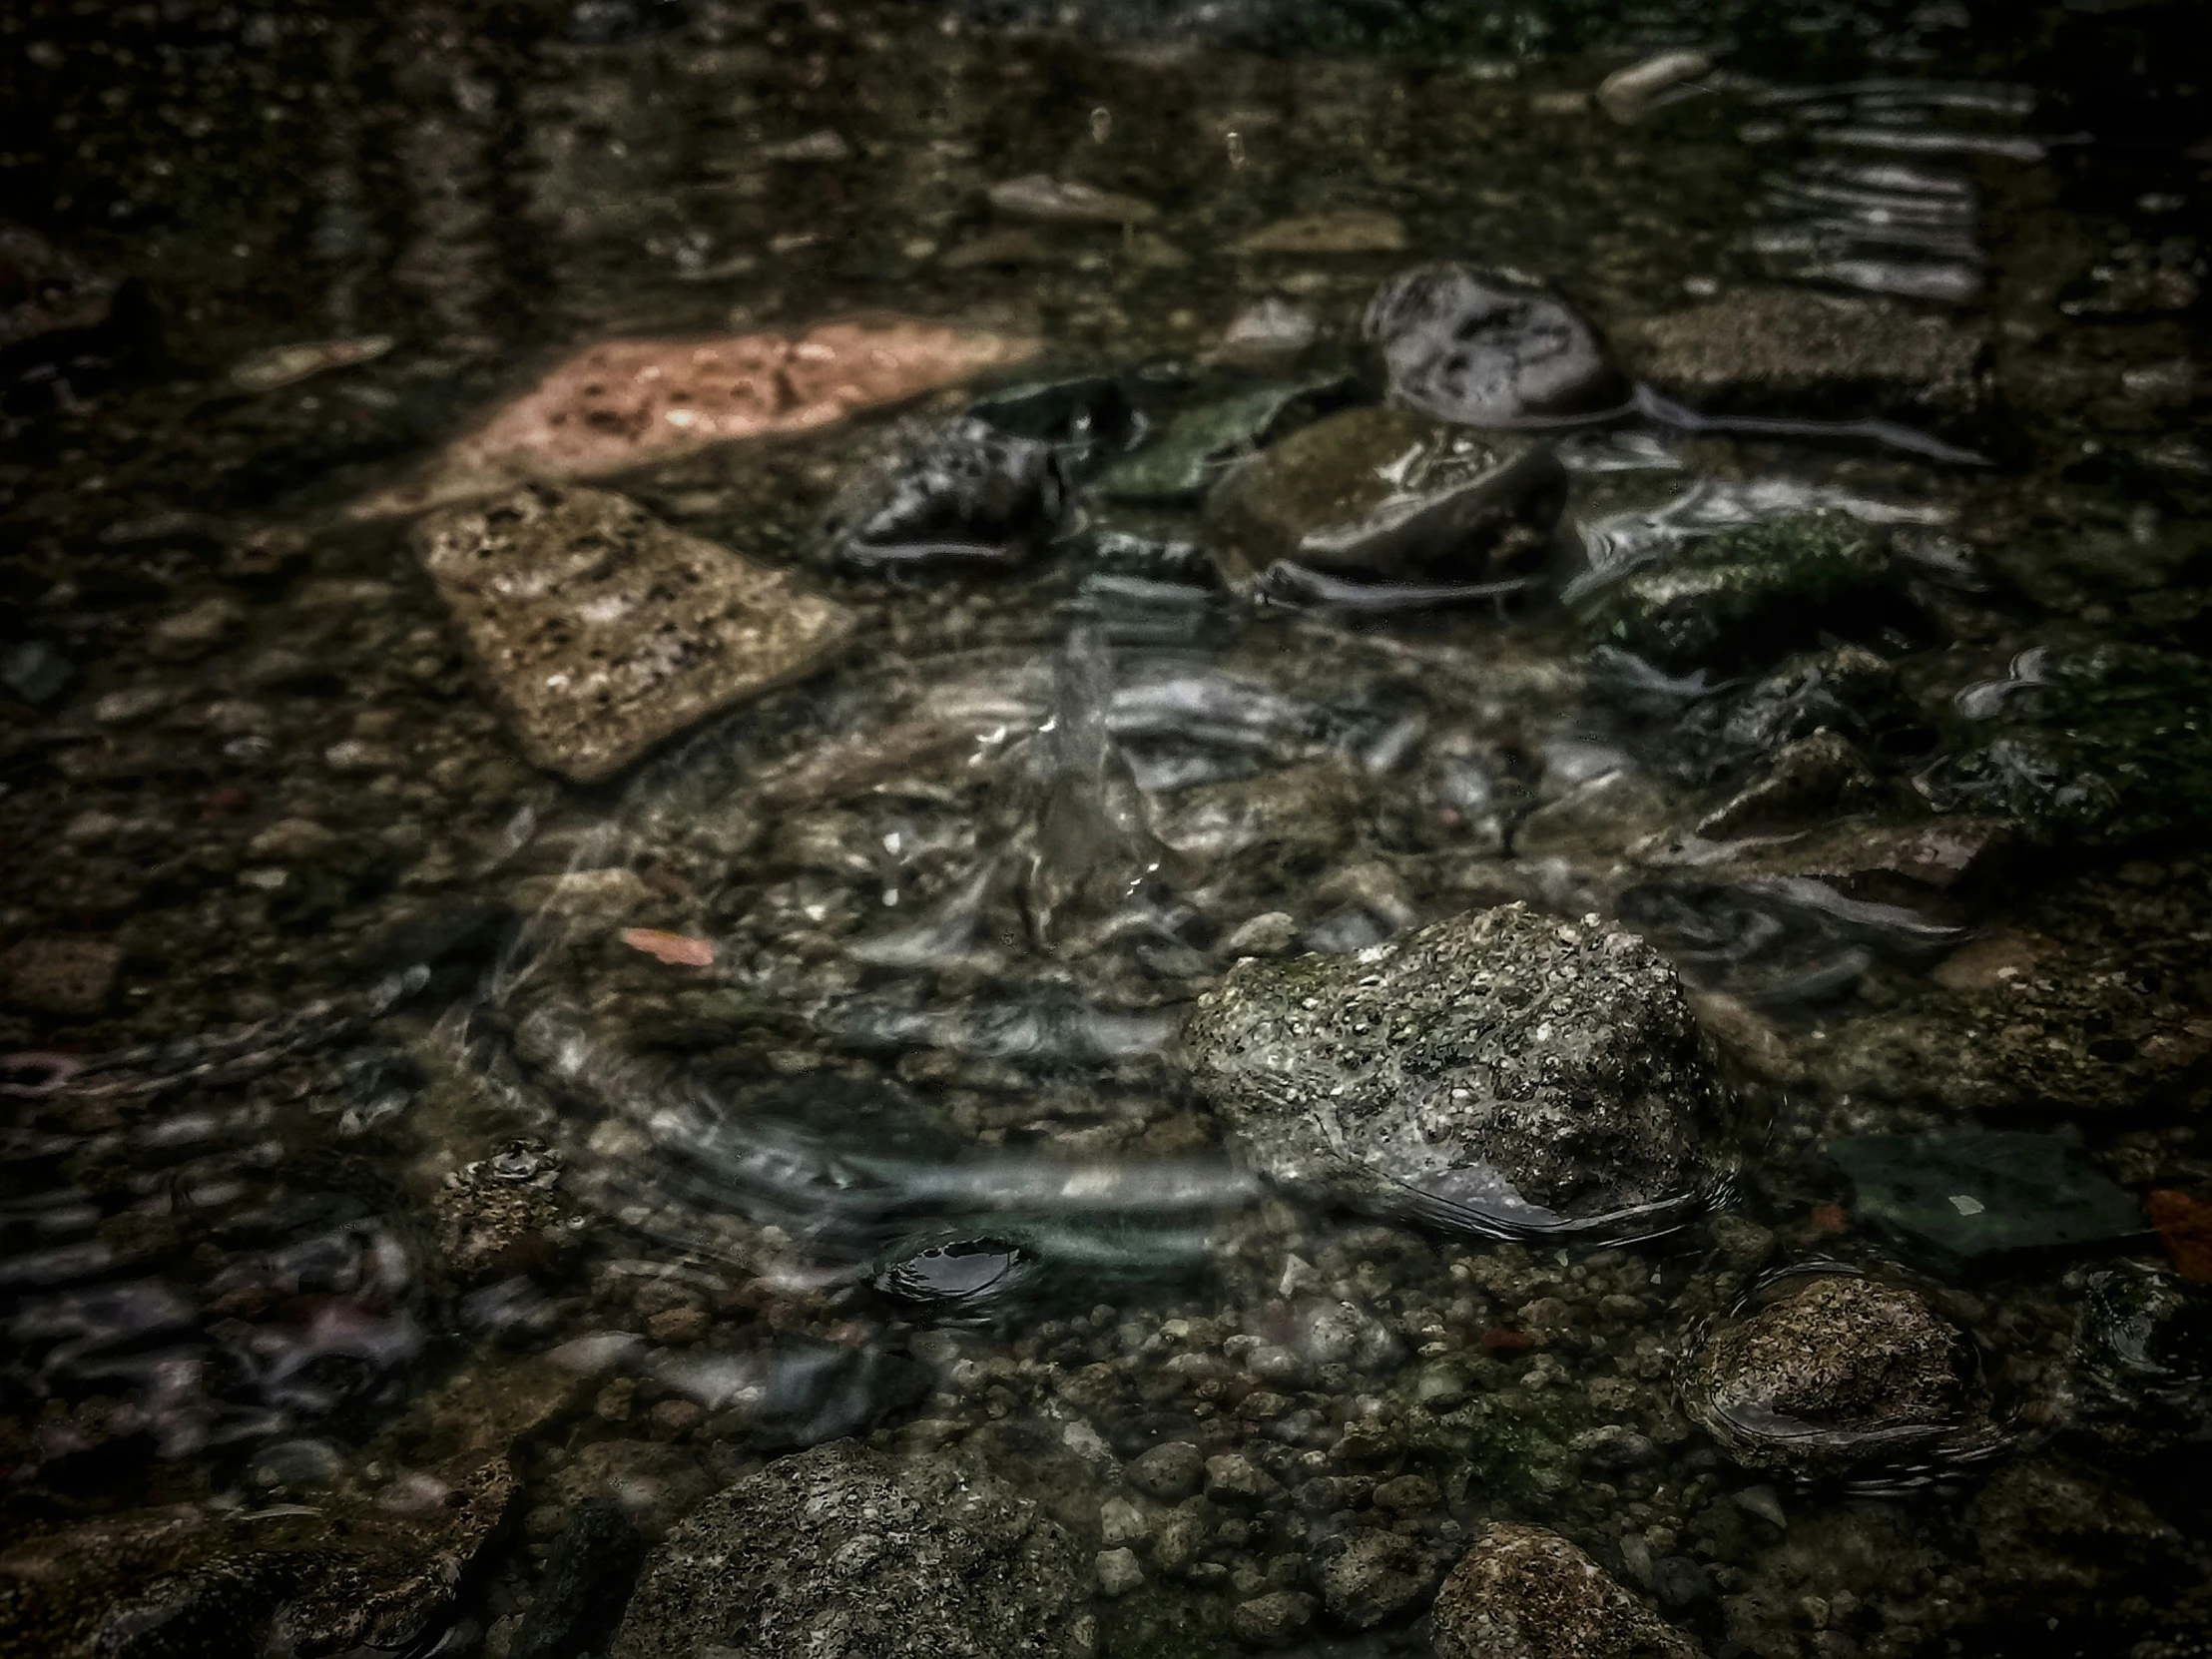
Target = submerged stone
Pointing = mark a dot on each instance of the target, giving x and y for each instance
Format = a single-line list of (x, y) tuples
[(1501, 1073), (1803, 782), (1794, 351), (2143, 1359), (35, 671), (604, 631), (1084, 417), (1380, 494), (1069, 202), (1845, 690), (1970, 1199), (843, 1550), (1745, 593), (2107, 748), (1833, 1372), (961, 490), (1182, 461), (1460, 345), (1525, 1592)]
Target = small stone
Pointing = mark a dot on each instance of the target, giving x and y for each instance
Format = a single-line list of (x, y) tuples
[(1459, 345), (1270, 933), (1628, 95), (56, 974), (1183, 459), (1411, 1495), (678, 1324), (35, 671), (1268, 334), (1122, 1522), (1169, 1473), (1067, 201), (1805, 780), (1178, 1538), (1525, 1592), (958, 490), (1273, 1620), (604, 631), (2183, 1221), (1367, 1575), (2031, 1195), (676, 1418), (195, 632), (1346, 230), (828, 145), (1235, 1478), (284, 366), (295, 840), (1118, 1571)]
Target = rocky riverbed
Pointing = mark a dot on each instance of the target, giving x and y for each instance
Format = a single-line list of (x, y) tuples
[(1092, 831)]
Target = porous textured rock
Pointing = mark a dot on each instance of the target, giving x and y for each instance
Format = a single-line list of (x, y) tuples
[(1463, 346), (604, 631), (1499, 1070), (1834, 1371), (1525, 1592), (845, 1555)]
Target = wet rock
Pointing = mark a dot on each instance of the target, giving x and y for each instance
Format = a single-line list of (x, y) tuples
[(1628, 95), (1235, 1480), (192, 633), (1525, 1592), (2141, 1365), (1170, 1472), (1367, 1575), (590, 1568), (1347, 231), (2060, 1540), (654, 1485), (625, 404), (2103, 748), (498, 1215), (1810, 779), (1083, 418), (56, 974), (1744, 594), (1182, 461), (966, 1274), (1970, 1199), (1832, 1372), (1845, 689), (1499, 1071), (1273, 1620), (1597, 820), (604, 631), (286, 366), (1380, 494), (1795, 351), (1267, 335), (1069, 202), (1118, 1571), (35, 671), (961, 490), (1462, 346), (839, 1549), (1278, 828)]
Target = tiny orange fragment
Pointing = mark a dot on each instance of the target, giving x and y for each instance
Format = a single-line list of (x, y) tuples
[(675, 950), (1499, 1340), (2184, 1221)]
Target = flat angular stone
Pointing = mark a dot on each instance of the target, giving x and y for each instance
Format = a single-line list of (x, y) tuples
[(604, 631), (1973, 1197)]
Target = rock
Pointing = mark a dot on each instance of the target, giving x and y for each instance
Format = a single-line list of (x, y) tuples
[(1462, 346), (1233, 1478), (1845, 689), (628, 402), (1598, 820), (588, 1573), (1748, 593), (1278, 828), (2183, 1221), (196, 631), (1081, 418), (284, 366), (1182, 462), (842, 1551), (1496, 1071), (1380, 494), (1367, 1575), (1628, 95), (1798, 352), (498, 1217), (1833, 1372), (1118, 1571), (1970, 1199), (295, 840), (1273, 1620), (1267, 335), (63, 321), (56, 974), (1805, 781), (1270, 934), (654, 1485), (970, 1274), (2090, 748), (1169, 1473), (1069, 202), (2060, 1540), (1525, 1592), (2141, 1367), (35, 671), (1347, 231), (960, 490), (604, 631)]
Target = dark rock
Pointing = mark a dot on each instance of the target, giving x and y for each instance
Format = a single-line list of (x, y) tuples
[(1367, 1575), (1273, 1620), (1744, 594), (1525, 1592), (1169, 1473), (604, 631), (1502, 1071), (1793, 351), (1832, 1372), (842, 1551), (586, 1577), (64, 324), (1462, 346), (1971, 1198), (1805, 781), (1181, 460), (1084, 419), (35, 671), (1845, 689), (498, 1215), (2062, 1541), (962, 490), (2142, 1358), (2107, 748), (653, 1483), (1383, 495)]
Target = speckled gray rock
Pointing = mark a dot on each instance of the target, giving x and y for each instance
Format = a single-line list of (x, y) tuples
[(1834, 1371), (839, 1553), (1525, 1592), (604, 631), (1368, 1575), (1502, 1071)]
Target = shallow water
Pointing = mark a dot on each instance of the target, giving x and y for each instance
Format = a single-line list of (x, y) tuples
[(428, 1178)]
